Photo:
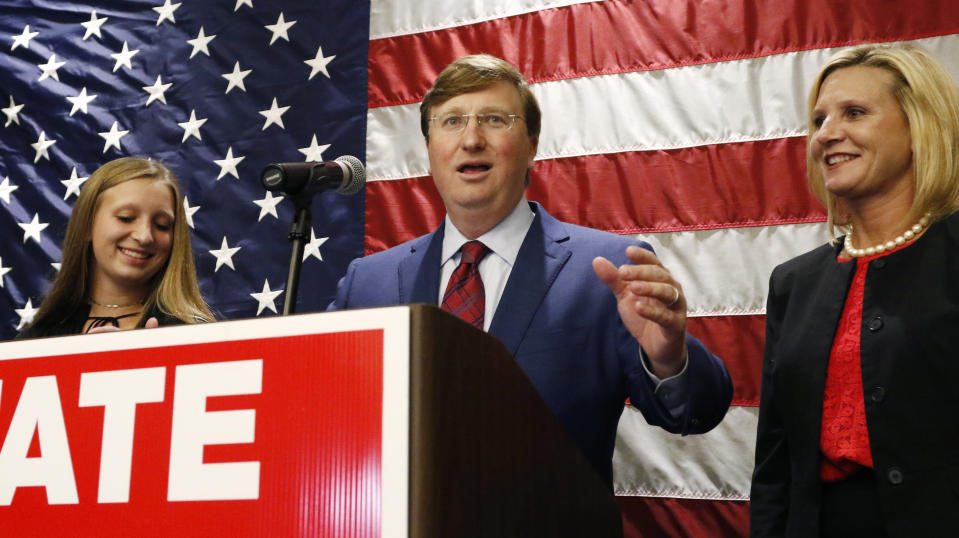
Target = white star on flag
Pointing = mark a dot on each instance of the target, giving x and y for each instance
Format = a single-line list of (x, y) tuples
[(192, 126), (26, 314), (274, 115), (93, 26), (42, 147), (123, 57), (236, 78), (189, 211), (166, 11), (81, 101), (3, 271), (112, 137), (5, 189), (49, 69), (318, 64), (224, 255), (24, 38), (314, 152), (11, 112), (32, 228), (200, 43), (228, 164), (280, 29), (157, 91), (266, 298), (313, 247), (268, 205), (56, 266), (242, 3), (73, 184)]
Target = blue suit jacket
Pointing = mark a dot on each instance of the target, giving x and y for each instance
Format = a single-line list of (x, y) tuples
[(561, 324)]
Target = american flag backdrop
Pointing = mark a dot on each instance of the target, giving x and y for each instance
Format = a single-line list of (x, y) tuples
[(681, 122)]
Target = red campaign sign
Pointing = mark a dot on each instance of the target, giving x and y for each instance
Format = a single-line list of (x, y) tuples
[(265, 437)]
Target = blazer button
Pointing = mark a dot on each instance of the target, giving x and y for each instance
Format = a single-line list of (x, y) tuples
[(877, 394), (894, 475), (879, 264), (875, 324)]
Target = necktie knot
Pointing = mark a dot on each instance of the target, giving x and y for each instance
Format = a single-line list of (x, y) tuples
[(473, 252), (465, 296)]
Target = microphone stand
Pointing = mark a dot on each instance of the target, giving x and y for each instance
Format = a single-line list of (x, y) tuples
[(305, 180), (299, 231)]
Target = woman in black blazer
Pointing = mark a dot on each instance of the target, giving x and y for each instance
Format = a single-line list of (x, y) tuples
[(859, 413), (127, 260)]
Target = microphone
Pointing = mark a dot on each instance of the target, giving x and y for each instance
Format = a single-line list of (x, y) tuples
[(345, 174)]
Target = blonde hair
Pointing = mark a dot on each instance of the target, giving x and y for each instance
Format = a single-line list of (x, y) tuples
[(929, 98), (173, 290)]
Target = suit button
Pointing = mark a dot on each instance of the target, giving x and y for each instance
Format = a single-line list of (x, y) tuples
[(894, 475), (877, 394), (879, 264), (875, 324)]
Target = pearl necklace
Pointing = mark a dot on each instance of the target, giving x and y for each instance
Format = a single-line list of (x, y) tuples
[(900, 240)]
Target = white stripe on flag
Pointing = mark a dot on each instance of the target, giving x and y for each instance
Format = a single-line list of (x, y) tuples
[(389, 18), (726, 271), (651, 462)]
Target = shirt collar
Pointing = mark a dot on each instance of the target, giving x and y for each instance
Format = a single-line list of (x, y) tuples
[(504, 239)]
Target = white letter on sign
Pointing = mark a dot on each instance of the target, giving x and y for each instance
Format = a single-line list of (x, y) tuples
[(38, 410), (119, 392), (194, 427)]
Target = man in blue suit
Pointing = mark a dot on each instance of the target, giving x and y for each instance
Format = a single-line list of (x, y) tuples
[(586, 333)]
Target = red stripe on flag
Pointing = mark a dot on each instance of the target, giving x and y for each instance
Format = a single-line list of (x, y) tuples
[(738, 341), (397, 211), (655, 517), (624, 36), (707, 187)]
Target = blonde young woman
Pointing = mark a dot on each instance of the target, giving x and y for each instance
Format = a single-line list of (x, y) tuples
[(127, 261), (858, 433)]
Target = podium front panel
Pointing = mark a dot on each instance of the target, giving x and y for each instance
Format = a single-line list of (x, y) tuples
[(292, 426)]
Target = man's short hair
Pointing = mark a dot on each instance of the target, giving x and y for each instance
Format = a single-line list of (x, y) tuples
[(477, 72)]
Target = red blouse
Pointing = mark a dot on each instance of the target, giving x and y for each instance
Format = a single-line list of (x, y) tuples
[(844, 439)]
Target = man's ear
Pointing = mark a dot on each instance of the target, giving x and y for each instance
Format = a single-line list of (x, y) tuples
[(429, 170), (533, 144)]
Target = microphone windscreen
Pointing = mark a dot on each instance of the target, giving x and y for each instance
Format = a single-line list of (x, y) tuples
[(356, 178)]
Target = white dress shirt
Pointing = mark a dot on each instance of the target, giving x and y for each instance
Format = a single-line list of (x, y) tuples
[(503, 241)]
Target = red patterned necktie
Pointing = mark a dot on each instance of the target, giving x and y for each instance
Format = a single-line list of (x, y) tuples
[(465, 296)]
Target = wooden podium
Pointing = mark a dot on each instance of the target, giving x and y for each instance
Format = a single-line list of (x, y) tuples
[(400, 421)]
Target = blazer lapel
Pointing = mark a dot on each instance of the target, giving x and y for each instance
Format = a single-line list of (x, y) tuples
[(540, 259), (829, 287), (419, 273)]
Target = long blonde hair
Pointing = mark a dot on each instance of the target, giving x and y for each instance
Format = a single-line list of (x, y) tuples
[(173, 290), (929, 98)]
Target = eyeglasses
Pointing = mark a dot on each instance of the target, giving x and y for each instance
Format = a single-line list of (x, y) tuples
[(491, 121)]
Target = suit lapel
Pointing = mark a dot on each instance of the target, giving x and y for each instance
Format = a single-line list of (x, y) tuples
[(540, 259), (419, 273)]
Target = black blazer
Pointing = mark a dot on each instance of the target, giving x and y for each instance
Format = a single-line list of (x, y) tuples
[(910, 371)]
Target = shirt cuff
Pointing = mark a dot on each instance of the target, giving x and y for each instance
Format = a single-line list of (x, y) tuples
[(671, 391)]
